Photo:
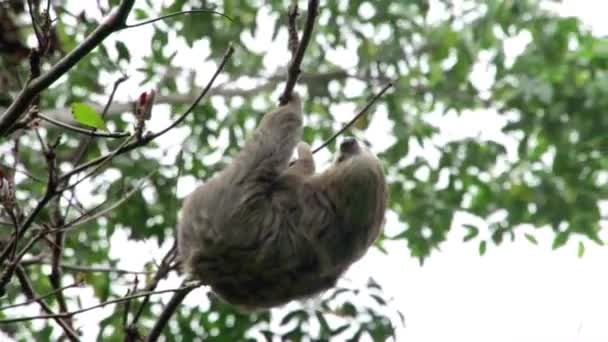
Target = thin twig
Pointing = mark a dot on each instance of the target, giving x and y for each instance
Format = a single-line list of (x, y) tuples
[(41, 297), (83, 269), (164, 269), (351, 122), (48, 195), (99, 269), (176, 299), (57, 248), (98, 167), (179, 120), (15, 222), (34, 19), (146, 139), (166, 263), (89, 216), (89, 132), (117, 83), (7, 272), (189, 286), (114, 22), (26, 224), (168, 310), (51, 190), (83, 148), (292, 28), (293, 71), (175, 14), (28, 290), (265, 83)]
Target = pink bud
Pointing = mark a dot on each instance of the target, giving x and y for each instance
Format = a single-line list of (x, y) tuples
[(143, 109)]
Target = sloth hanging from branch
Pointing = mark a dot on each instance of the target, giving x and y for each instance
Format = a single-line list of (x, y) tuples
[(265, 230)]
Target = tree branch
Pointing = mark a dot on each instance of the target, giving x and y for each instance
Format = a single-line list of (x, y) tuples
[(28, 290), (24, 226), (165, 267), (188, 287), (354, 119), (146, 139), (94, 213), (89, 132), (51, 191), (269, 83), (41, 297), (175, 14), (167, 312), (111, 24), (81, 268), (293, 71)]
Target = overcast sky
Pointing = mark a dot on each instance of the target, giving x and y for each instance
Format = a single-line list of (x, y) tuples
[(516, 292)]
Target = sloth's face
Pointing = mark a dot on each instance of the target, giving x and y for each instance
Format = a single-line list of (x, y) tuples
[(348, 148)]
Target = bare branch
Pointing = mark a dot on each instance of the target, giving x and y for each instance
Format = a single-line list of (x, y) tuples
[(169, 309), (41, 297), (90, 215), (52, 191), (108, 157), (268, 83), (146, 139), (100, 269), (28, 290), (15, 222), (175, 14), (294, 66), (7, 272), (24, 226), (89, 132), (81, 268), (189, 286), (179, 120), (351, 122), (111, 24), (57, 248), (165, 267), (83, 148), (292, 28)]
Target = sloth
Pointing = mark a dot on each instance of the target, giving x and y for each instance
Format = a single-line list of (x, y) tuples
[(266, 231)]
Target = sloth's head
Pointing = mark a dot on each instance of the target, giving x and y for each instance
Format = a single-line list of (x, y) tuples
[(358, 174), (349, 148), (356, 186), (352, 151)]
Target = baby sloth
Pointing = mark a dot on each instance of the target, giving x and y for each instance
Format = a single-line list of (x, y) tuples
[(265, 231)]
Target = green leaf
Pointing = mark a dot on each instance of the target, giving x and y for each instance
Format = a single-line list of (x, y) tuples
[(298, 314), (560, 240), (340, 329), (348, 309), (472, 232), (482, 247), (140, 14), (87, 115), (531, 238), (581, 249), (378, 299), (372, 284), (123, 52)]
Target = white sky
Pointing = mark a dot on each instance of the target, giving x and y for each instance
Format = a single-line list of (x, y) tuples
[(516, 292)]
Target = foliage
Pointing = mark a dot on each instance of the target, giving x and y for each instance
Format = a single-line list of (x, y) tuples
[(547, 101)]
